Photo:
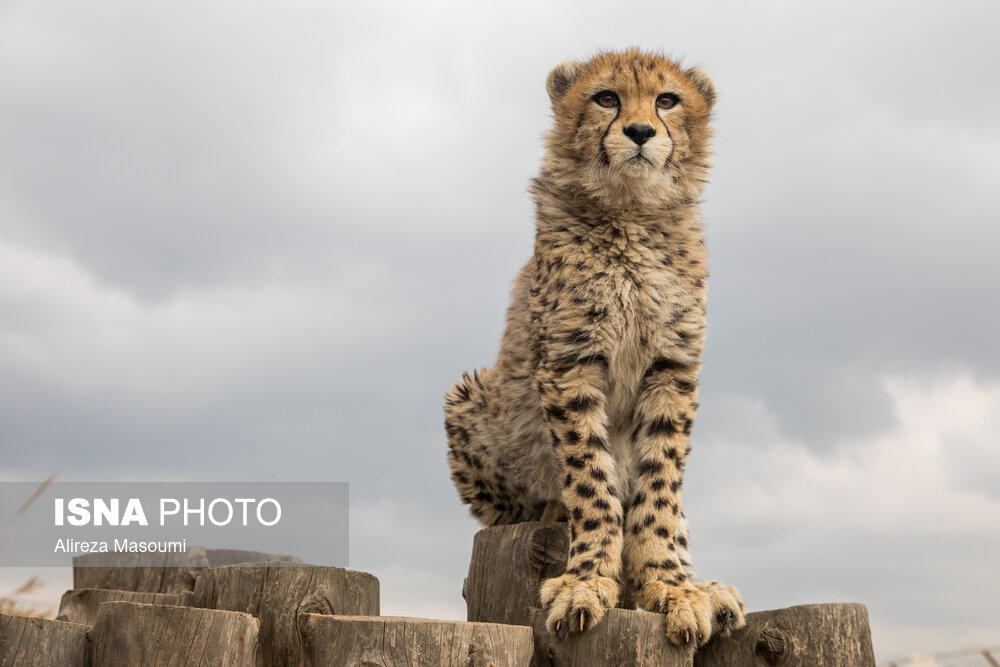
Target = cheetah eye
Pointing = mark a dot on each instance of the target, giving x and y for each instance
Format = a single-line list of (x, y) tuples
[(606, 99), (667, 101)]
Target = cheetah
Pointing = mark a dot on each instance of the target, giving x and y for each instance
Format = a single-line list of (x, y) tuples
[(590, 404)]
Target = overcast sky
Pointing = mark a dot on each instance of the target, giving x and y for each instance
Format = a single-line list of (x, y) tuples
[(259, 241)]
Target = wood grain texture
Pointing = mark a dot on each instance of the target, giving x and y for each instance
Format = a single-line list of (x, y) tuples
[(149, 573), (802, 636), (624, 638), (129, 633), (38, 642), (508, 565), (278, 594), (81, 605), (219, 557), (510, 562), (413, 642)]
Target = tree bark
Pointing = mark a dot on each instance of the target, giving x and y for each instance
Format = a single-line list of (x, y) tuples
[(416, 642), (162, 573), (508, 565), (38, 642), (219, 557), (129, 633), (814, 634), (277, 595), (81, 605), (147, 572), (624, 638)]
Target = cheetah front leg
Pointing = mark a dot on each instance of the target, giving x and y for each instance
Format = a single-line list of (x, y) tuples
[(574, 403), (656, 531)]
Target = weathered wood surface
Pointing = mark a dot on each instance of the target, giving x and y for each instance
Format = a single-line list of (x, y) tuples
[(81, 605), (623, 638), (803, 636), (149, 573), (162, 573), (354, 641), (37, 642), (807, 635), (129, 633), (278, 594), (508, 565), (220, 557)]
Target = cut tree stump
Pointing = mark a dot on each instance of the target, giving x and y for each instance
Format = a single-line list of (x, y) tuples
[(807, 635), (219, 557), (148, 572), (277, 595), (162, 573), (81, 605), (38, 642), (350, 641), (623, 638), (804, 636), (508, 565), (129, 633)]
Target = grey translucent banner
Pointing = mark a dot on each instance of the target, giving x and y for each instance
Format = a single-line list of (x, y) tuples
[(121, 522)]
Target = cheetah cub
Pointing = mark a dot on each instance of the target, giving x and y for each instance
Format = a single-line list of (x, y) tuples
[(590, 404)]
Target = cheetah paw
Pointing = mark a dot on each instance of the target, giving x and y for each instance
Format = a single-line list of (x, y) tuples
[(688, 610), (575, 604), (727, 607)]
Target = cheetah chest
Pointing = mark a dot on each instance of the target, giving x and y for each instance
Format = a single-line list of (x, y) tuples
[(645, 312)]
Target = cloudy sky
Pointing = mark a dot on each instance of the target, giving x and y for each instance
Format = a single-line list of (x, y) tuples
[(258, 242)]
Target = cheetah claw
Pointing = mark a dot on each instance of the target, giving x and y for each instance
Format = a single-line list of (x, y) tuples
[(574, 604), (688, 610)]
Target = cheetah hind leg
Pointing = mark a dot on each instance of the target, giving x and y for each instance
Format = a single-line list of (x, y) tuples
[(475, 470), (554, 511)]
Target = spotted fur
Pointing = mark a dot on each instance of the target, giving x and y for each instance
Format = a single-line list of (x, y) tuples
[(594, 393)]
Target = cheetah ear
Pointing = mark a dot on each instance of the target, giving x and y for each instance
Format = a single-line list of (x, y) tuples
[(703, 84), (561, 78)]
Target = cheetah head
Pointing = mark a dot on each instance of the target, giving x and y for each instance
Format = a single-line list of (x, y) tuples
[(631, 127)]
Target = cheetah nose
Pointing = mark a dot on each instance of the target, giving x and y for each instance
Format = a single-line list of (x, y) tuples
[(639, 133)]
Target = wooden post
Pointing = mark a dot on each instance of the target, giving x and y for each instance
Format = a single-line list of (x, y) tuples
[(804, 636), (128, 633), (815, 634), (277, 595), (38, 642), (81, 605), (161, 573), (149, 573), (508, 565), (624, 638), (416, 642), (219, 557)]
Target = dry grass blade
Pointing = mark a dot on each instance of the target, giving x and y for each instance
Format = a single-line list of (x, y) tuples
[(9, 603), (34, 496)]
